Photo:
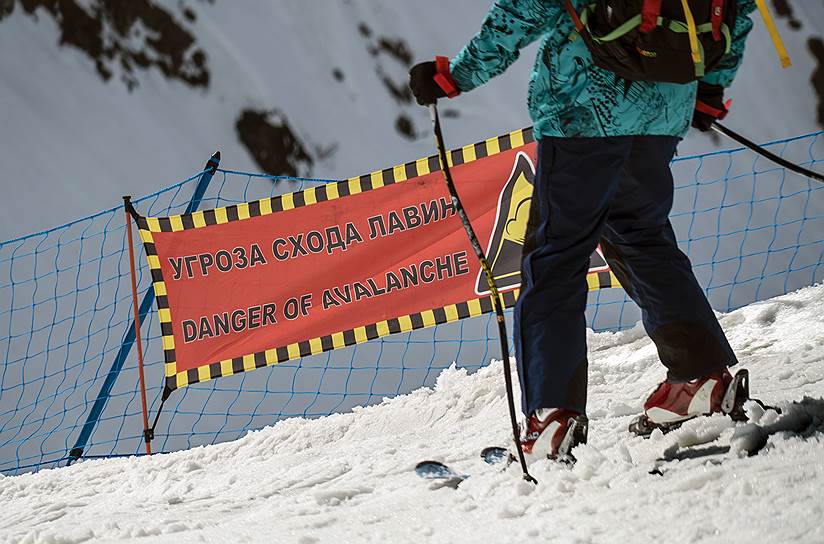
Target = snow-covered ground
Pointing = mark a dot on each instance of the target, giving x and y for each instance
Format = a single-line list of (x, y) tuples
[(349, 477)]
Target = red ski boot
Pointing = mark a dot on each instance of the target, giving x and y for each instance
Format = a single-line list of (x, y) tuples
[(671, 404), (552, 433)]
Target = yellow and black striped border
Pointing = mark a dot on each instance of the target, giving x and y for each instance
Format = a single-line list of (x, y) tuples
[(335, 190), (407, 323)]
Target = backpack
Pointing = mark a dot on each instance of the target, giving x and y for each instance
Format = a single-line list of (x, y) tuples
[(674, 41)]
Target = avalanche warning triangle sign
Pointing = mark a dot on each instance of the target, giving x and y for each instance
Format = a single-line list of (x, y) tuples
[(506, 246)]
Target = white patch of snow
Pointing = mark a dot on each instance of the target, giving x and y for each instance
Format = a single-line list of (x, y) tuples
[(349, 477)]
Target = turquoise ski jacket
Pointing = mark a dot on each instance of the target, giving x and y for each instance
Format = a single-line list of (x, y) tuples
[(568, 95)]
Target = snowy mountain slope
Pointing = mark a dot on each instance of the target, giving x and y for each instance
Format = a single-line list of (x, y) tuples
[(320, 86), (348, 477), (71, 144)]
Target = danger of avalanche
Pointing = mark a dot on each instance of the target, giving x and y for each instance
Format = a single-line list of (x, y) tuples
[(425, 272)]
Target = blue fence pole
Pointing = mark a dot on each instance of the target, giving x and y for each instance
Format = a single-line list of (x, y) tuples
[(129, 337)]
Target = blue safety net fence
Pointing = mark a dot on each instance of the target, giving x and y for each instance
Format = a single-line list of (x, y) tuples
[(752, 229)]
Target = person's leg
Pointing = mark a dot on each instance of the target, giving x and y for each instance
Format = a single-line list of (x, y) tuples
[(575, 182), (641, 249)]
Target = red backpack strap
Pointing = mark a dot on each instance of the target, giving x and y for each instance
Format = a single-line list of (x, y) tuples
[(716, 17), (649, 15), (579, 26)]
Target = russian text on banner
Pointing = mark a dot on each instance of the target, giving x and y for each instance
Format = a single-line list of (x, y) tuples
[(259, 283)]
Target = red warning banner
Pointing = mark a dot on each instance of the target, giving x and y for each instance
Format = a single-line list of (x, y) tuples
[(263, 282)]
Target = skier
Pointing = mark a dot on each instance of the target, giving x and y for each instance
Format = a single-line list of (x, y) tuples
[(605, 143)]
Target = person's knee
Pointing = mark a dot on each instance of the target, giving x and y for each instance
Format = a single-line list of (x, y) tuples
[(630, 232)]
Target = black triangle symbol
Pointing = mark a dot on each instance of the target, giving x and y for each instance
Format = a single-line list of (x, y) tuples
[(506, 247), (505, 250), (597, 261)]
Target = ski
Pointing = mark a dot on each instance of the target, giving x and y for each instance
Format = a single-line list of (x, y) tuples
[(712, 453), (495, 455), (747, 440), (439, 474), (442, 475)]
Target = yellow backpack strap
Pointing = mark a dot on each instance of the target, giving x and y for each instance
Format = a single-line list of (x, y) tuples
[(776, 38), (692, 30)]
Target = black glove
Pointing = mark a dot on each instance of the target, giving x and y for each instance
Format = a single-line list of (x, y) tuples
[(709, 106), (432, 80)]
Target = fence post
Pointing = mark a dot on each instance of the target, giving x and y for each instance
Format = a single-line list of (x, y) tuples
[(129, 337)]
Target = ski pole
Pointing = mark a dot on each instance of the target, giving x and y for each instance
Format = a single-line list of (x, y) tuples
[(490, 280), (721, 129)]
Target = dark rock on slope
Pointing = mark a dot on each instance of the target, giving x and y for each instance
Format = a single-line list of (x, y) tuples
[(272, 143), (132, 34)]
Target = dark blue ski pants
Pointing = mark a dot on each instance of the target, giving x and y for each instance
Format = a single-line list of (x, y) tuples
[(617, 191)]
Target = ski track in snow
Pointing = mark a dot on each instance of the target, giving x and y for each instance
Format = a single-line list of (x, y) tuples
[(350, 478)]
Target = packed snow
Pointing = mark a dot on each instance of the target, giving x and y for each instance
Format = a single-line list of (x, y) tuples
[(350, 478)]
